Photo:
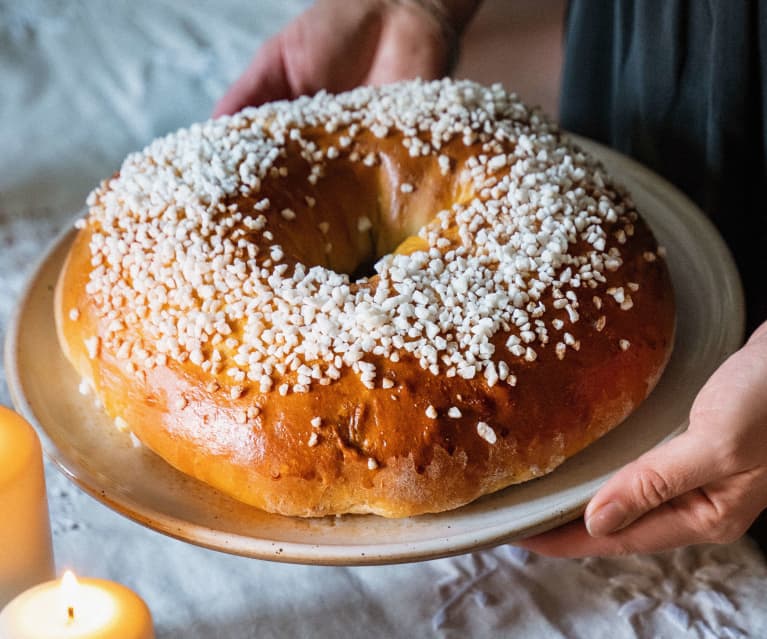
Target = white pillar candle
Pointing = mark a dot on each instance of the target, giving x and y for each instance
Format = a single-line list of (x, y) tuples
[(26, 555), (70, 609)]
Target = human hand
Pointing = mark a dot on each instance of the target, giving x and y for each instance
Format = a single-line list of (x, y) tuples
[(706, 485), (337, 45)]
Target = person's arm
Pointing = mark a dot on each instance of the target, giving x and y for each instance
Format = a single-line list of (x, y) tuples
[(337, 45), (707, 485)]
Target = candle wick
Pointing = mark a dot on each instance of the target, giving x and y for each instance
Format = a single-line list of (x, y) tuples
[(71, 613)]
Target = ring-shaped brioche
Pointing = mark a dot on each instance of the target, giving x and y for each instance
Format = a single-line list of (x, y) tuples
[(392, 300)]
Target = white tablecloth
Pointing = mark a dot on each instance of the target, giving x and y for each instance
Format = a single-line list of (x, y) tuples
[(83, 83)]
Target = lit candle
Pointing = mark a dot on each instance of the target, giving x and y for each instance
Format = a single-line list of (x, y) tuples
[(26, 556), (70, 609)]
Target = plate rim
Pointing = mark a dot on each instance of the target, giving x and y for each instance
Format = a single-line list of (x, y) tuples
[(345, 554)]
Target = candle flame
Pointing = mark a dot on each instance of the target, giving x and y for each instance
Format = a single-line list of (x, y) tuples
[(69, 581), (69, 588)]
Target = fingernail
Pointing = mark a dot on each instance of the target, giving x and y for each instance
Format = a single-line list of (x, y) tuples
[(606, 519)]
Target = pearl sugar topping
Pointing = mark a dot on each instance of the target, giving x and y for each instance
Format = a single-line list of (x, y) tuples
[(167, 264)]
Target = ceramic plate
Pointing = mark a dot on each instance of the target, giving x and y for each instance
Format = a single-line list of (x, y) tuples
[(133, 481)]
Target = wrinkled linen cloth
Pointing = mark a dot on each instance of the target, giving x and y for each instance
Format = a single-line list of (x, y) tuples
[(82, 84)]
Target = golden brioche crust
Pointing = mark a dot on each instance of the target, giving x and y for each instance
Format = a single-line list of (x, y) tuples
[(411, 440)]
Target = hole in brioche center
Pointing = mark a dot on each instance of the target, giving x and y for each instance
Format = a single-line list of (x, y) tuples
[(356, 214), (397, 245), (360, 215), (365, 269)]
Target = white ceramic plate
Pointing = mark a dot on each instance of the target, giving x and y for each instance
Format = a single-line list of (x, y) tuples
[(133, 481)]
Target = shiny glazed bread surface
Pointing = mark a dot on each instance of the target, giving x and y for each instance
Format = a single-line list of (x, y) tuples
[(560, 350)]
